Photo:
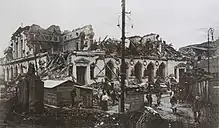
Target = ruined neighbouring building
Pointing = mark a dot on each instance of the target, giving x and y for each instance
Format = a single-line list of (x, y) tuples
[(199, 52), (209, 88), (30, 44), (147, 58), (48, 49)]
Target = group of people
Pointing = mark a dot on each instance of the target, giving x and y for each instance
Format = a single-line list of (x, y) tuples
[(196, 106)]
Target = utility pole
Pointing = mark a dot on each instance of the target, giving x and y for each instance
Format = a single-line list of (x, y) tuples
[(123, 75), (210, 31)]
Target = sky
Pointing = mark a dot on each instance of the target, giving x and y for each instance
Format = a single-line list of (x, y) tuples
[(180, 22)]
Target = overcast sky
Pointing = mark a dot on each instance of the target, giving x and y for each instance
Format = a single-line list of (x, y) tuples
[(180, 22)]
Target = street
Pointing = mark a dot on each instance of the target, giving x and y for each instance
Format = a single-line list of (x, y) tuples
[(184, 113)]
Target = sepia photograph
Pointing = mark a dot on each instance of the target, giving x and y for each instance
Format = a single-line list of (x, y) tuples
[(109, 64)]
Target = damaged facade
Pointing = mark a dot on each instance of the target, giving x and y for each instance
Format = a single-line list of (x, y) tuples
[(147, 58), (74, 55), (50, 50), (58, 54)]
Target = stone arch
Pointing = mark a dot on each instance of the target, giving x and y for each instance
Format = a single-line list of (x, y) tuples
[(109, 68), (161, 71), (150, 72), (138, 70)]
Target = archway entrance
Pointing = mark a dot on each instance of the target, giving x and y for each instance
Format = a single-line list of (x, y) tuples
[(138, 71), (161, 71), (150, 70)]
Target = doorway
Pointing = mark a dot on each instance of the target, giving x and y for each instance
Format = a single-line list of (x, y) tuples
[(81, 71)]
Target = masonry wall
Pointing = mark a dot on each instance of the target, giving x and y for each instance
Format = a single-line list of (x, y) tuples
[(19, 66)]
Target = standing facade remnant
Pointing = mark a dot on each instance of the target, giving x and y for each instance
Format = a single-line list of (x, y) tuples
[(30, 92)]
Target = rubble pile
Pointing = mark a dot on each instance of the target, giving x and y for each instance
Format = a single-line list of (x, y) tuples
[(138, 46), (73, 117), (56, 67)]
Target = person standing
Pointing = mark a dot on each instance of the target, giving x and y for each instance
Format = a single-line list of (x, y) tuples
[(173, 101), (113, 96), (197, 105), (105, 99), (149, 99)]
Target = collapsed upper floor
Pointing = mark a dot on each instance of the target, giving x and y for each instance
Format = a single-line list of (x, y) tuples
[(32, 40)]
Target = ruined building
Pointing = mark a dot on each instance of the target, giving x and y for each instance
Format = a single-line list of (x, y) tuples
[(147, 59), (33, 44), (74, 54)]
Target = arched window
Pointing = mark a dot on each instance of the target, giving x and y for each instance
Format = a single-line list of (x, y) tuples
[(138, 70), (150, 69), (161, 71)]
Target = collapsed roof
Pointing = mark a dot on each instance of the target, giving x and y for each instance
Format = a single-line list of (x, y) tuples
[(56, 67), (141, 46)]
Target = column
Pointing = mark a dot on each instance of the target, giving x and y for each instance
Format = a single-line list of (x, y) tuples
[(87, 74), (74, 72)]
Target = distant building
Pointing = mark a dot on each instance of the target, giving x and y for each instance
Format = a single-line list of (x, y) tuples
[(214, 82), (208, 88)]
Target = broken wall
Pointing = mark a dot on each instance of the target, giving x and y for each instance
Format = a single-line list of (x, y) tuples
[(78, 39)]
